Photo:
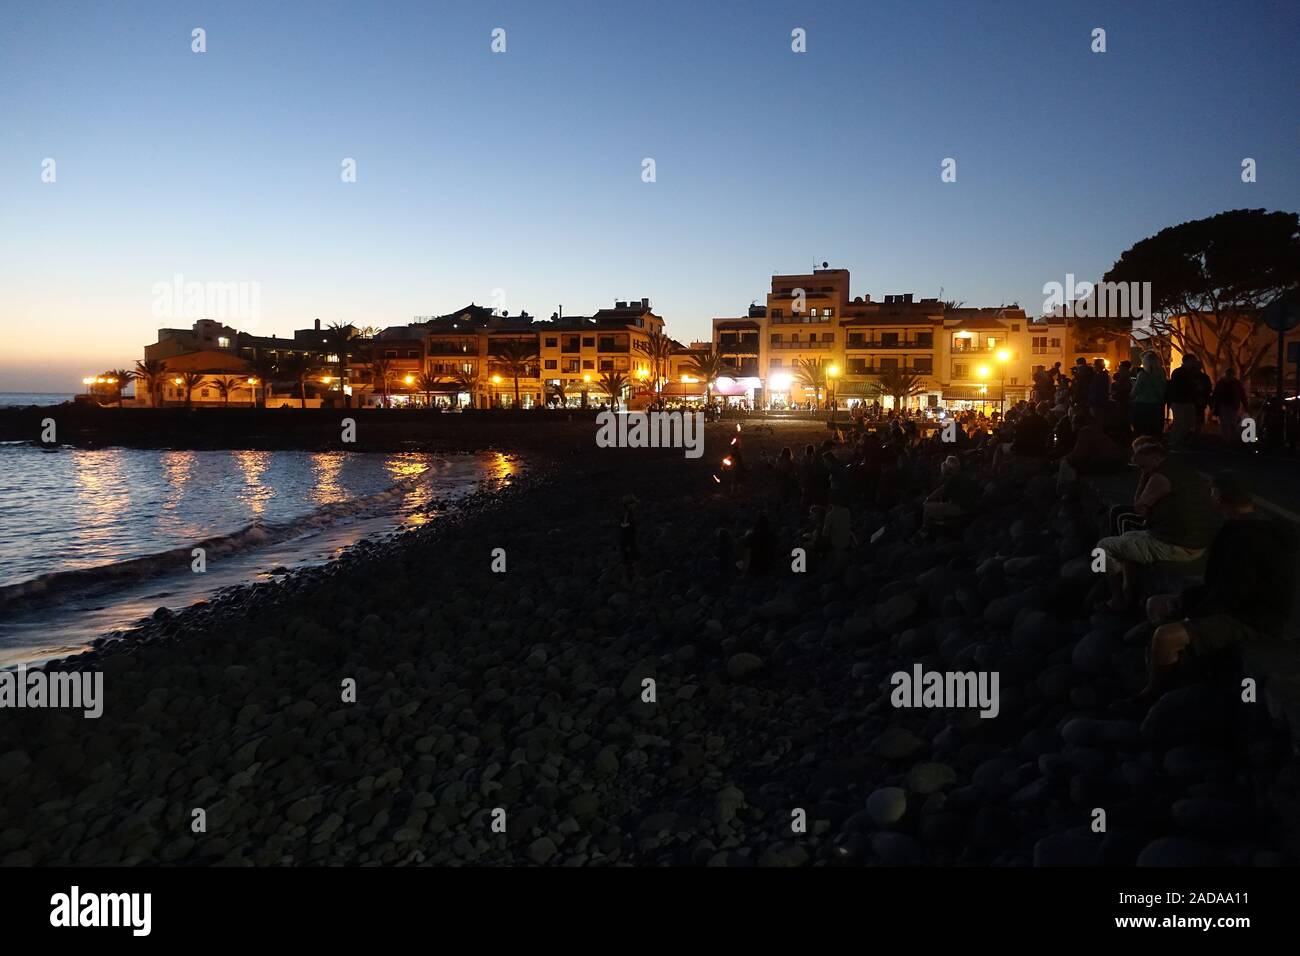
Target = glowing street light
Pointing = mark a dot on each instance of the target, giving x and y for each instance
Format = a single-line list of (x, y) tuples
[(326, 379), (496, 379), (642, 373), (410, 379), (1004, 356), (982, 372)]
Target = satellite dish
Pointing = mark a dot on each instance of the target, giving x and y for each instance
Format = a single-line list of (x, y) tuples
[(826, 265), (1283, 313)]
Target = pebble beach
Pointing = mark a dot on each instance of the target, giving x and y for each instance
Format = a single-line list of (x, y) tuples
[(771, 739)]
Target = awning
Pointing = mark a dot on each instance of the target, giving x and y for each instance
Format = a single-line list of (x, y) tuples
[(688, 389), (971, 393)]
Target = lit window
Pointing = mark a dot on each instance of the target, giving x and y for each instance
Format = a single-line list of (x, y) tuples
[(223, 343)]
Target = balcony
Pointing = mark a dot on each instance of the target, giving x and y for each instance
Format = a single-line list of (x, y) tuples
[(799, 319), (880, 370), (806, 346), (613, 347), (919, 344)]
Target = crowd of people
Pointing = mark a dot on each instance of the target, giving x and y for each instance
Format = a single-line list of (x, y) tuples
[(1209, 572)]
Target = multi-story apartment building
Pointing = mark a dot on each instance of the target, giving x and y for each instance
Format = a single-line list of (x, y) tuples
[(572, 352), (955, 357)]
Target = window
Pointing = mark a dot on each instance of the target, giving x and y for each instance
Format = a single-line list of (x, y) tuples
[(923, 366), (776, 363), (776, 338), (410, 353), (332, 358), (959, 370), (588, 341), (550, 363), (778, 313), (1055, 343), (204, 393), (390, 353), (588, 363), (223, 343), (889, 363), (1015, 326), (829, 313), (812, 338), (888, 338), (1014, 380), (607, 365), (551, 342)]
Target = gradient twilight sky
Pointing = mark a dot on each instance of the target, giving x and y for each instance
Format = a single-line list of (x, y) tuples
[(522, 171)]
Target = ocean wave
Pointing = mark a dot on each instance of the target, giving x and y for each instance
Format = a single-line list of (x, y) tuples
[(59, 585)]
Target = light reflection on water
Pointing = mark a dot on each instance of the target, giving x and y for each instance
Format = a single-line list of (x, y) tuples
[(90, 509)]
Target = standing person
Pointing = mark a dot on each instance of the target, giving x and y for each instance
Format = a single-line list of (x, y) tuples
[(1147, 401), (1081, 384), (1228, 399), (1099, 388), (760, 544), (627, 536), (1180, 395), (808, 477), (1202, 390), (787, 481), (1122, 386)]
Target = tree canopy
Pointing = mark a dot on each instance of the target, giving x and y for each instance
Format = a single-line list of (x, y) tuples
[(1210, 279)]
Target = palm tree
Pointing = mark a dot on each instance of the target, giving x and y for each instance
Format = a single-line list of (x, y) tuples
[(428, 383), (383, 371), (519, 356), (707, 368), (151, 373), (340, 337), (811, 373), (466, 382), (191, 381), (264, 372), (899, 384), (555, 392), (298, 369), (658, 347), (613, 383), (117, 379), (226, 384)]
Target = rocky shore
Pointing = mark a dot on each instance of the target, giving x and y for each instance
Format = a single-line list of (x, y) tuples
[(526, 690)]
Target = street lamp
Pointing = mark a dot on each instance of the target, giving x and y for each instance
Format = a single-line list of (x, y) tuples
[(831, 373), (1003, 358)]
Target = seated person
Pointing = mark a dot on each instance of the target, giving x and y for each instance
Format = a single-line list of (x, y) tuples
[(1249, 579), (1093, 451), (1030, 440), (1180, 521), (956, 497)]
